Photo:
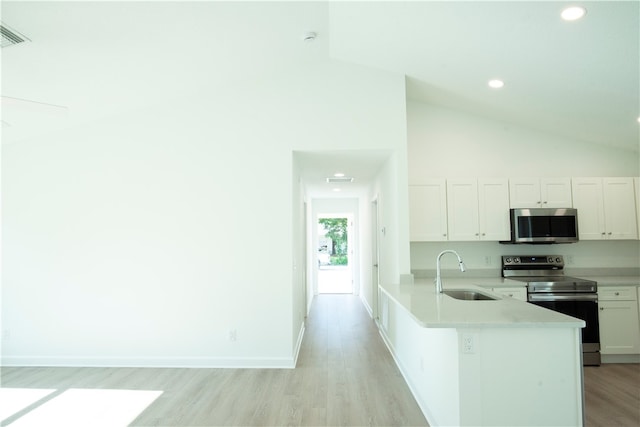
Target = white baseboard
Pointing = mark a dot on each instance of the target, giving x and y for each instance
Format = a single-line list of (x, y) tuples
[(154, 362), (159, 362), (296, 351), (366, 306)]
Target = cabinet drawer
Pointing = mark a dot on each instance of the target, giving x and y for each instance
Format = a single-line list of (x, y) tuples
[(626, 293)]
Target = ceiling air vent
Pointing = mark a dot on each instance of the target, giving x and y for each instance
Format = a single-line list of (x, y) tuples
[(10, 37), (339, 180)]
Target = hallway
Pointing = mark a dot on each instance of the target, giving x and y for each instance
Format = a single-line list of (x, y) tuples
[(354, 374)]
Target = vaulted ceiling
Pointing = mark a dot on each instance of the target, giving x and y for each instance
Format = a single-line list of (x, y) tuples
[(576, 79), (91, 60)]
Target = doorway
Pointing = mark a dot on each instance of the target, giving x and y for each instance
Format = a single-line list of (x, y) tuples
[(335, 253)]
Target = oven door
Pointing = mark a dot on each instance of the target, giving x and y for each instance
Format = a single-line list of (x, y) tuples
[(582, 306)]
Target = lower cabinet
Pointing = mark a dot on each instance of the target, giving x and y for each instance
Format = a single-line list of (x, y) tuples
[(519, 292), (619, 320)]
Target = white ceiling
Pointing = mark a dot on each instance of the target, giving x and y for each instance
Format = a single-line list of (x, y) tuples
[(361, 165), (577, 79), (88, 61)]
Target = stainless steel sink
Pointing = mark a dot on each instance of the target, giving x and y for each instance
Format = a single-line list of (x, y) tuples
[(469, 295)]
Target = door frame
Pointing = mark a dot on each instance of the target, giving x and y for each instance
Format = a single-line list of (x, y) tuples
[(375, 258)]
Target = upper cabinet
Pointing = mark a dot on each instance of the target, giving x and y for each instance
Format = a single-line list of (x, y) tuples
[(493, 209), (478, 209), (428, 211), (606, 208), (540, 193)]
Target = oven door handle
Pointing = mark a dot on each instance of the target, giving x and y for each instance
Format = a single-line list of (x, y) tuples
[(563, 297)]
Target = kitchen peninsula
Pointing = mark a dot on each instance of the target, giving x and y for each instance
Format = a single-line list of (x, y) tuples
[(484, 362)]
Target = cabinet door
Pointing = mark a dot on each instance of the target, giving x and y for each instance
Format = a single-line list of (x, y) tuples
[(619, 208), (493, 209), (462, 210), (619, 327), (524, 193), (587, 199), (428, 211), (556, 192)]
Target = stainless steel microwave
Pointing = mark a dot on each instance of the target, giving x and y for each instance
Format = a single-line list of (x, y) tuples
[(544, 225)]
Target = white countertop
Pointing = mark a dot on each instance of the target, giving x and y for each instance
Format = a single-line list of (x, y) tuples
[(487, 282), (615, 280), (433, 310)]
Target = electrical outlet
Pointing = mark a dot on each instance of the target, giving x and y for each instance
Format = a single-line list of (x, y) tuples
[(468, 346), (233, 335), (487, 260), (6, 334), (569, 259)]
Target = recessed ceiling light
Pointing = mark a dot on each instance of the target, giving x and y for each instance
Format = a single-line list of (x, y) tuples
[(496, 84), (573, 13), (336, 190), (638, 119), (338, 174), (339, 179)]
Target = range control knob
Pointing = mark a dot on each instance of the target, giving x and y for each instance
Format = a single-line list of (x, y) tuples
[(516, 260), (507, 260), (558, 260)]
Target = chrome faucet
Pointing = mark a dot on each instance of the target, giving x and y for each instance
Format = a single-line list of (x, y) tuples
[(438, 276)]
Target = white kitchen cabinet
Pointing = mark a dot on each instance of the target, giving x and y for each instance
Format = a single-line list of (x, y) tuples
[(478, 209), (606, 208), (619, 322), (519, 292), (493, 209), (462, 209), (540, 193), (428, 211)]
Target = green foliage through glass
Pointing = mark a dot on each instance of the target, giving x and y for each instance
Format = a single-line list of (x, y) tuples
[(336, 230)]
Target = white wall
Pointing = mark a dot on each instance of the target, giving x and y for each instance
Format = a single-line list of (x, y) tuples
[(299, 258), (447, 143), (393, 221), (147, 238), (487, 255), (366, 233)]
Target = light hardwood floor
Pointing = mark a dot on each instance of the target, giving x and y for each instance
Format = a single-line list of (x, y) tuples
[(345, 376), (612, 395)]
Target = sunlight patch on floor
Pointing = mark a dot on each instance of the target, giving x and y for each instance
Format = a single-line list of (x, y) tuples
[(90, 407), (13, 400)]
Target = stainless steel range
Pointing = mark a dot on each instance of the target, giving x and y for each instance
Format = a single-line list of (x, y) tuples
[(548, 287)]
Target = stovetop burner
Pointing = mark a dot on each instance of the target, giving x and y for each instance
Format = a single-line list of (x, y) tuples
[(557, 284), (543, 273)]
